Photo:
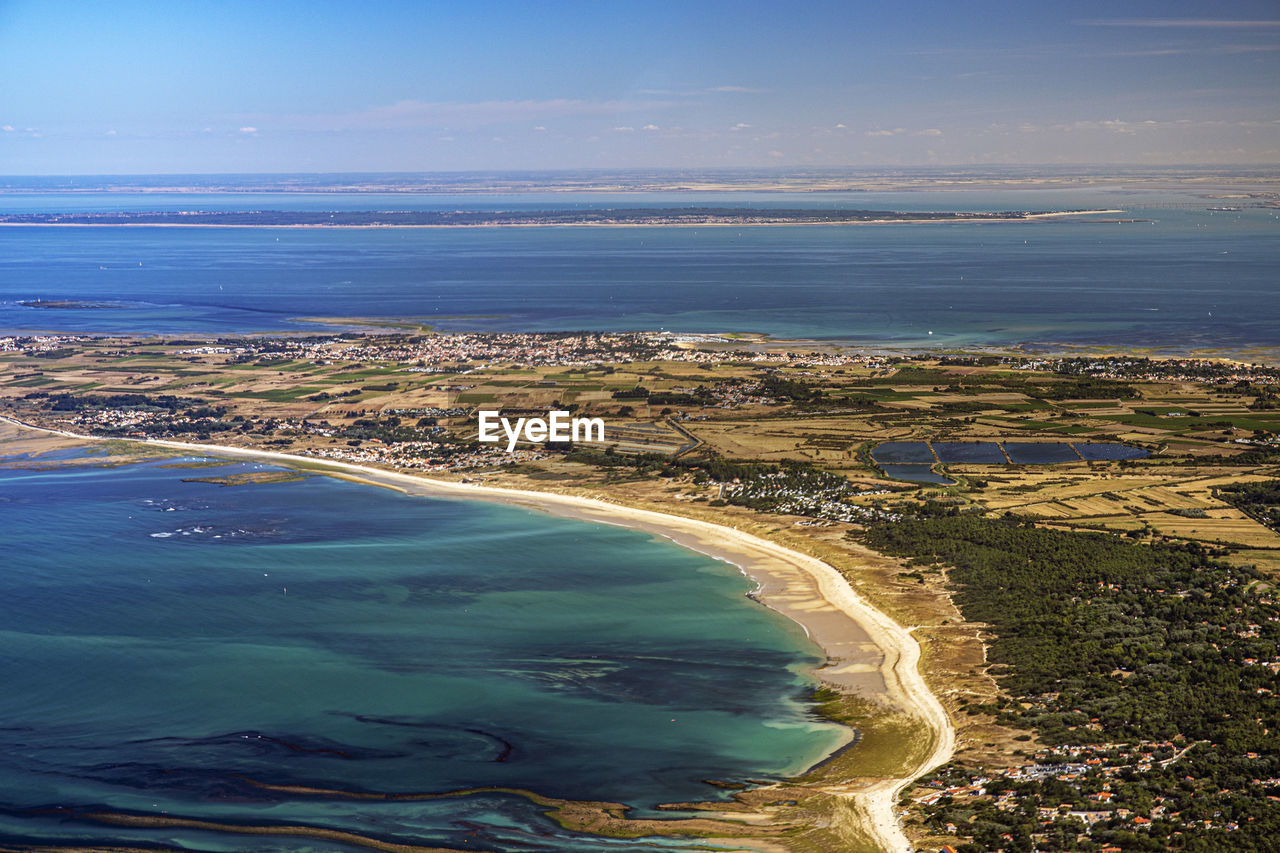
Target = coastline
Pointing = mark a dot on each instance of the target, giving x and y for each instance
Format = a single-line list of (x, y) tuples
[(800, 587), (1239, 354), (1031, 217)]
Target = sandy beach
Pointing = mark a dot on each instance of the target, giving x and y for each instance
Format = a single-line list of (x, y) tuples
[(867, 651)]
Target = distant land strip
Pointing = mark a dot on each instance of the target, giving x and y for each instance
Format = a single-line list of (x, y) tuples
[(492, 218)]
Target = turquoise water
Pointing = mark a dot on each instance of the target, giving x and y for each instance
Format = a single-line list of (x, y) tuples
[(1187, 277), (169, 647)]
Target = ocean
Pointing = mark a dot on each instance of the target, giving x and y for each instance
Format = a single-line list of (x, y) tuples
[(1183, 277), (172, 648)]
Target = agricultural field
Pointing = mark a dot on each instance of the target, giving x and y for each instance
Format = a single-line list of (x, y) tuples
[(819, 409)]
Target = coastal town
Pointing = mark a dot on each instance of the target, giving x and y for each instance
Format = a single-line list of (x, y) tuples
[(1094, 777), (445, 352)]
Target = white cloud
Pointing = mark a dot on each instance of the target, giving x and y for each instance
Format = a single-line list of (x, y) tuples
[(1197, 23), (709, 90), (1199, 49), (1129, 127), (929, 131), (651, 127), (740, 126), (1117, 126), (840, 127), (624, 129), (540, 129), (8, 128), (111, 133), (248, 130), (450, 114)]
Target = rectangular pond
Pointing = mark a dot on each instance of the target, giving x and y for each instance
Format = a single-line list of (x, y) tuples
[(903, 452), (971, 452), (1102, 452), (1039, 452), (914, 460), (915, 473)]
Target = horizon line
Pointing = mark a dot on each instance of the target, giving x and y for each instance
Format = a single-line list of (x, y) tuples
[(674, 170)]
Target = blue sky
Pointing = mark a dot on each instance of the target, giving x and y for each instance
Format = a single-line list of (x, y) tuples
[(142, 87)]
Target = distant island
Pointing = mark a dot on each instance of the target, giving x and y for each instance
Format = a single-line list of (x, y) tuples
[(78, 304), (491, 218)]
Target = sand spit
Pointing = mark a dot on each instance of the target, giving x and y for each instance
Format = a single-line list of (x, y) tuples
[(710, 223)]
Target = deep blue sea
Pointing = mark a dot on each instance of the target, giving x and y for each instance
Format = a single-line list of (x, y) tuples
[(170, 647), (1186, 277)]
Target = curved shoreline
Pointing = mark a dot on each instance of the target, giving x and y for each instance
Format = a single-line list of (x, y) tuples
[(803, 588)]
